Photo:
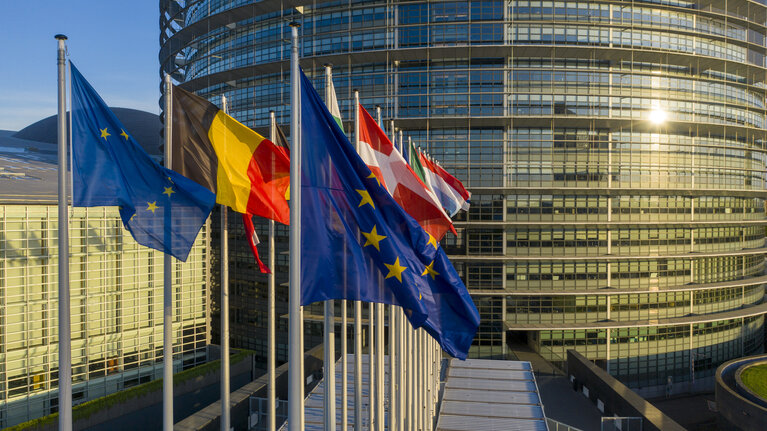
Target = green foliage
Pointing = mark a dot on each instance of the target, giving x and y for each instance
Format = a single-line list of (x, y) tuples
[(755, 378), (86, 409)]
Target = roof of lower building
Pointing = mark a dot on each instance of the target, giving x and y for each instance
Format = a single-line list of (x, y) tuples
[(29, 157)]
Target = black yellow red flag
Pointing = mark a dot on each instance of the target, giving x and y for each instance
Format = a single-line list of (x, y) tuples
[(246, 171)]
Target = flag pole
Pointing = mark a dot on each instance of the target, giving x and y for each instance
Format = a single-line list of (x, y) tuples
[(65, 335), (344, 369), (329, 350), (225, 418), (371, 367), (393, 332), (295, 373), (380, 323), (357, 304), (401, 368), (410, 377), (270, 360), (167, 310), (371, 362)]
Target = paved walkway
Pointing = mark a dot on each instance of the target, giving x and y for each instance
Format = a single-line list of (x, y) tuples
[(692, 412), (560, 401), (563, 404)]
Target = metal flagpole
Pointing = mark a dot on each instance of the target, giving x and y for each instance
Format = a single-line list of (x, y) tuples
[(329, 350), (225, 419), (344, 369), (302, 398), (371, 366), (394, 352), (392, 389), (410, 375), (296, 372), (272, 347), (379, 365), (429, 381), (167, 311), (417, 386), (344, 361), (357, 304), (401, 352), (403, 399), (65, 335)]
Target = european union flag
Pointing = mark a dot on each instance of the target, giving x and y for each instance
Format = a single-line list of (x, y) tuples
[(357, 243), (161, 208)]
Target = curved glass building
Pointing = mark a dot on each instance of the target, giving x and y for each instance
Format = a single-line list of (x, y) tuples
[(615, 151)]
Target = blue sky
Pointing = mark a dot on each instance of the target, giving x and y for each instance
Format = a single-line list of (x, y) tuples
[(114, 44)]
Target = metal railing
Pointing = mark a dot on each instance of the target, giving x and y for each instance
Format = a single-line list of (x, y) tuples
[(621, 424), (259, 409), (559, 426)]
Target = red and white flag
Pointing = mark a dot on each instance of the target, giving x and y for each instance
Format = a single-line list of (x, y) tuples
[(393, 172), (250, 232)]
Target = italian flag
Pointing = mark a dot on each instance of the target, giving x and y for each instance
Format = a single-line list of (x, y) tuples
[(333, 106), (394, 174)]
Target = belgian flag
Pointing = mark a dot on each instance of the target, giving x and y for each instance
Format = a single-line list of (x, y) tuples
[(246, 171)]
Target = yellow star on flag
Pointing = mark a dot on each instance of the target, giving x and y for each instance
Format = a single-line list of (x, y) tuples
[(168, 191), (152, 206), (372, 175), (430, 270), (432, 241), (395, 270), (365, 198), (373, 238), (104, 133), (123, 134)]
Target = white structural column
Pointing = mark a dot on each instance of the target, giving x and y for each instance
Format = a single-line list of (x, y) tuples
[(295, 373), (225, 418), (271, 400), (329, 374), (65, 335), (357, 304), (167, 292)]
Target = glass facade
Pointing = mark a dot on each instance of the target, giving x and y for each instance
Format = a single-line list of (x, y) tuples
[(116, 308), (615, 152)]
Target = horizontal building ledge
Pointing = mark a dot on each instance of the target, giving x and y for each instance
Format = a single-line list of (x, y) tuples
[(607, 291), (746, 311), (607, 257), (601, 224), (619, 191)]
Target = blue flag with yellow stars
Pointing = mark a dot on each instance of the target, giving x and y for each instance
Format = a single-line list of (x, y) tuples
[(161, 208), (357, 243)]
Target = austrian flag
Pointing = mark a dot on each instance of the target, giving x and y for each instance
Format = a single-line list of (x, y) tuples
[(398, 178)]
